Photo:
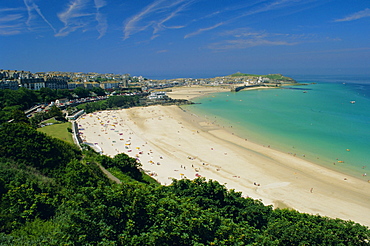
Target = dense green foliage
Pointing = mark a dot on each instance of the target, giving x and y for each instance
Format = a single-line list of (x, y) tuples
[(26, 145), (111, 102), (53, 112), (15, 101), (51, 193), (20, 99), (46, 95), (11, 102), (124, 163)]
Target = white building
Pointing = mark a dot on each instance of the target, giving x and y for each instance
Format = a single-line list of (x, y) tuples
[(157, 95)]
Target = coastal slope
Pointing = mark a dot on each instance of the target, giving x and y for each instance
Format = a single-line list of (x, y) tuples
[(172, 143)]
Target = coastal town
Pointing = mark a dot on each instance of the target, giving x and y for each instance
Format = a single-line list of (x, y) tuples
[(14, 79), (184, 123), (166, 142)]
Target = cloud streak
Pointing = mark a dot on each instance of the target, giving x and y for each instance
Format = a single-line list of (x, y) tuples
[(278, 4), (72, 17), (355, 16), (248, 9), (246, 43), (100, 18), (78, 15), (163, 11), (201, 30), (243, 38), (159, 26), (32, 6), (131, 25), (11, 22), (334, 51)]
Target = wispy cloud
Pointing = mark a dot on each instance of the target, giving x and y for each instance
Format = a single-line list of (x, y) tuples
[(275, 5), (74, 17), (243, 38), (79, 15), (99, 3), (203, 30), (246, 43), (248, 9), (11, 22), (362, 49), (4, 10), (11, 17), (162, 51), (100, 18), (164, 10), (131, 26), (8, 30), (31, 7), (159, 26), (358, 15)]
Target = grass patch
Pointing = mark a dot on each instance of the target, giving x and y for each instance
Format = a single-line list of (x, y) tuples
[(52, 120), (58, 130), (126, 179)]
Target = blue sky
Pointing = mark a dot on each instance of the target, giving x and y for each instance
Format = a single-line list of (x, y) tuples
[(186, 38)]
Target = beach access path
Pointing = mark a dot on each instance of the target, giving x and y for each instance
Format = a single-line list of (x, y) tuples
[(171, 143)]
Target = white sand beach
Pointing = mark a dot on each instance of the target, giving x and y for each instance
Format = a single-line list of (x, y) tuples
[(194, 91), (171, 143)]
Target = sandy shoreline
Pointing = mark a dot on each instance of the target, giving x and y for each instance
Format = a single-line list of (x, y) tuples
[(194, 91), (171, 143)]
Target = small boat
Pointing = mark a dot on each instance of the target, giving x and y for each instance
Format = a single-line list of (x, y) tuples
[(341, 161), (352, 102)]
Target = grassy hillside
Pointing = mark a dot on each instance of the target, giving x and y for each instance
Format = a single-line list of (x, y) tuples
[(51, 193), (238, 74), (270, 76)]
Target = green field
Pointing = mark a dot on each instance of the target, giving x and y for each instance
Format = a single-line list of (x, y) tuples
[(58, 130)]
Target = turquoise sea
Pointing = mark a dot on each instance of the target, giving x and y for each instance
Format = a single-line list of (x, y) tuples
[(326, 121)]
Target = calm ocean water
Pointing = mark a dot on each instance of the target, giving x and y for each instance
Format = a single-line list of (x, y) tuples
[(317, 122)]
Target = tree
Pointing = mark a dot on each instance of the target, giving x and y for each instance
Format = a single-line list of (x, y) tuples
[(19, 117), (81, 92), (47, 95), (24, 144), (56, 112), (98, 91), (22, 98), (124, 163), (63, 93)]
